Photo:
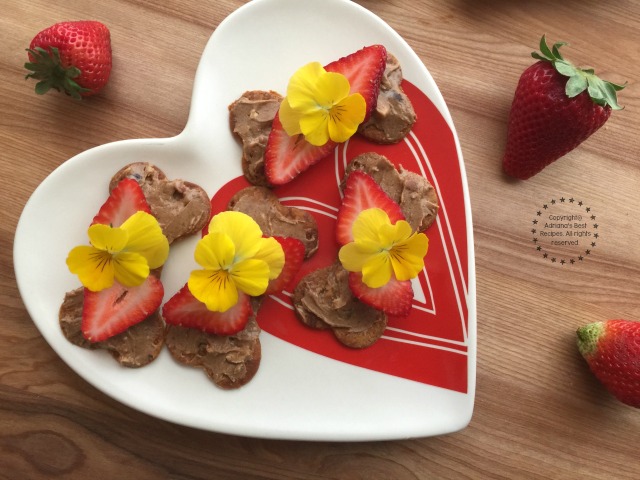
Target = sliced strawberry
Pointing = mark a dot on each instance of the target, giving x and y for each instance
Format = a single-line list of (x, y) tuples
[(393, 298), (361, 193), (364, 70), (125, 200), (185, 310), (111, 311), (293, 258), (287, 157)]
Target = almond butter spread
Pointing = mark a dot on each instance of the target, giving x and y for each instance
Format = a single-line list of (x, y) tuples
[(181, 208), (251, 117), (394, 115), (230, 361), (276, 219), (323, 299)]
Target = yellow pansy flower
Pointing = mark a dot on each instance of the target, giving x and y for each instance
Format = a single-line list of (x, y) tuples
[(381, 249), (125, 254), (319, 106), (234, 256)]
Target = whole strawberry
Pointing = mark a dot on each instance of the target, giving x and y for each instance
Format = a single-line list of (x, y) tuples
[(71, 57), (555, 108), (612, 350)]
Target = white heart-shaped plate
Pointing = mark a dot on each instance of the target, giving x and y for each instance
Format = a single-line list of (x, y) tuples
[(297, 393)]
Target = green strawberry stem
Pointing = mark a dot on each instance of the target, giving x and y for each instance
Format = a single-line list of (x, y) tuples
[(48, 69), (601, 92), (588, 337)]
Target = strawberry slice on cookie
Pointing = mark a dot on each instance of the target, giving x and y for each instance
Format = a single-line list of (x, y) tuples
[(113, 310), (117, 268), (185, 310), (125, 200), (364, 70), (323, 107), (361, 193), (379, 248), (294, 253)]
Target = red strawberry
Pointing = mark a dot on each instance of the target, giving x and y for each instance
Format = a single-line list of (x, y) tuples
[(286, 157), (293, 258), (125, 200), (361, 193), (364, 70), (72, 57), (555, 108), (111, 311), (185, 310), (612, 350), (393, 298)]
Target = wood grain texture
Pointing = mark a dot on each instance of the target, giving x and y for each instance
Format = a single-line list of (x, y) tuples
[(539, 412)]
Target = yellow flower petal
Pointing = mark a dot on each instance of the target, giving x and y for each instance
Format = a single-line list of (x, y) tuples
[(251, 276), (104, 237), (93, 267), (353, 257), (303, 87), (243, 231), (392, 234), (215, 251), (367, 225), (314, 126), (331, 88), (130, 268), (272, 254), (146, 238), (213, 288), (345, 117), (377, 270), (289, 118), (381, 249), (407, 257)]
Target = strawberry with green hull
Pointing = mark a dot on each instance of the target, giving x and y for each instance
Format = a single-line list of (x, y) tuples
[(285, 156), (612, 350), (555, 108), (71, 57)]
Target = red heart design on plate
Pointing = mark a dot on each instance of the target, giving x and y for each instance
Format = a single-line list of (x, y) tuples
[(431, 344)]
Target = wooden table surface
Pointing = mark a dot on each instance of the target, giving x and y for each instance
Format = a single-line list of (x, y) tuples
[(539, 412)]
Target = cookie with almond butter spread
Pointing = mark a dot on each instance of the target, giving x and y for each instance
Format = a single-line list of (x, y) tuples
[(276, 219), (322, 300), (251, 117), (394, 114), (230, 361), (182, 209)]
